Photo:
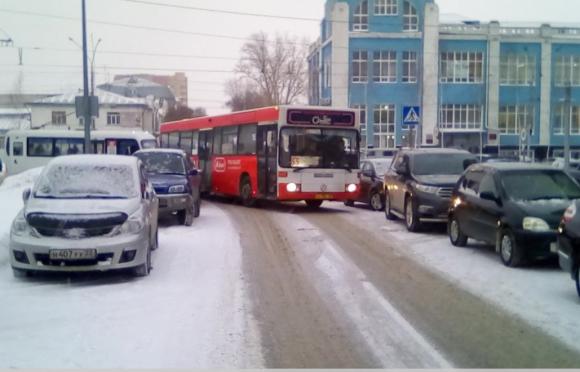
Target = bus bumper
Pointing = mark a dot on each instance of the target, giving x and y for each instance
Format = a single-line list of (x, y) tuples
[(330, 196)]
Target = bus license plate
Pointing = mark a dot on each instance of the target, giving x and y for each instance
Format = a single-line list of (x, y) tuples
[(323, 196), (73, 254)]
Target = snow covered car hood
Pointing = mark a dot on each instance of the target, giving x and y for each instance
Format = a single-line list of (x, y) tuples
[(82, 206), (438, 179)]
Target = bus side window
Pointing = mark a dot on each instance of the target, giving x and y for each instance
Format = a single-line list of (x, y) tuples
[(185, 139), (40, 147), (18, 148), (194, 143), (127, 147), (98, 147), (217, 141), (247, 140), (173, 140)]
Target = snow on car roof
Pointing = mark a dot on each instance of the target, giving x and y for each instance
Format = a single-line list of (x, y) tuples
[(130, 161), (163, 151)]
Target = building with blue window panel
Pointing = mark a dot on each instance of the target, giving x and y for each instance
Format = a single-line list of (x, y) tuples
[(502, 88)]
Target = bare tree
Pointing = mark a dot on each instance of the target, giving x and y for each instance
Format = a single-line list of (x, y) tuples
[(179, 112), (244, 95), (276, 68)]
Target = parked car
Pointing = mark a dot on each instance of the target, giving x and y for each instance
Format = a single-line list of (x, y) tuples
[(569, 243), (371, 183), (419, 183), (87, 213), (516, 207), (176, 182)]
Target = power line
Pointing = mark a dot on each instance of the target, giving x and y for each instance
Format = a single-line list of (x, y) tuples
[(220, 11), (133, 53), (138, 27), (131, 68)]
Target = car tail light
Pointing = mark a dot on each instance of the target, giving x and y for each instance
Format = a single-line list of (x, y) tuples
[(570, 213)]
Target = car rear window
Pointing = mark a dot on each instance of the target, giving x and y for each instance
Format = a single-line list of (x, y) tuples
[(430, 164)]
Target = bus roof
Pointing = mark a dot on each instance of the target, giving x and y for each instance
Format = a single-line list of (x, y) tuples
[(95, 134), (254, 116)]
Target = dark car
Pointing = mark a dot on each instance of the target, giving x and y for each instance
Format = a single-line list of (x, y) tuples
[(515, 206), (176, 182), (371, 183), (419, 183), (569, 243)]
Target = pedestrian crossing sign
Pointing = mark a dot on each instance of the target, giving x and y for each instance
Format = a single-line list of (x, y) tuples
[(411, 115)]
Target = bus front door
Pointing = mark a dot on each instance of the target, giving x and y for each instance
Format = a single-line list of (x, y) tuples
[(267, 139), (205, 153)]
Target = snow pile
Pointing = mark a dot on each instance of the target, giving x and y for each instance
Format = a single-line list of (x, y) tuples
[(11, 203)]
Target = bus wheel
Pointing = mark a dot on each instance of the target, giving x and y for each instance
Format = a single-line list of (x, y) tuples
[(246, 192), (313, 204)]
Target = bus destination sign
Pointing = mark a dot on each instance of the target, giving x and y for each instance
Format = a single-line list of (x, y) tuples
[(322, 118)]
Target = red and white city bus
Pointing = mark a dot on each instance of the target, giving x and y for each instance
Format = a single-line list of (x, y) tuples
[(284, 153)]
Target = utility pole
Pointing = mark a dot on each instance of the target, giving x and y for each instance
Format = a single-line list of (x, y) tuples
[(87, 105)]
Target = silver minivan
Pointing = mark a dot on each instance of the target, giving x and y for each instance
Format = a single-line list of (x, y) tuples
[(87, 213)]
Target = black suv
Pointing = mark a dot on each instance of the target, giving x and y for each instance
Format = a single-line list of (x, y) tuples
[(419, 184), (515, 206)]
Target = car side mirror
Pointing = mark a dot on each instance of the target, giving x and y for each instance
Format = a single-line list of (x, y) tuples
[(402, 170), (26, 195), (193, 172), (368, 173), (486, 195), (468, 163)]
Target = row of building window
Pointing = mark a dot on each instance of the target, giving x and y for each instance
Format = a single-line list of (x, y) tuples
[(384, 66), (60, 118), (385, 8), (463, 67), (513, 119)]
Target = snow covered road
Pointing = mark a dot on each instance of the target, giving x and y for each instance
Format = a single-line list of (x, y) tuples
[(284, 286)]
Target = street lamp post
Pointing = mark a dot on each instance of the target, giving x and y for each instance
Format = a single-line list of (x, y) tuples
[(87, 107), (92, 59)]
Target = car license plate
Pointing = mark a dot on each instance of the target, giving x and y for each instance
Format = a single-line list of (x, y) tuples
[(73, 254)]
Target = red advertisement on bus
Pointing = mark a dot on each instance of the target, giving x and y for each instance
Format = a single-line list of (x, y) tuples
[(285, 153)]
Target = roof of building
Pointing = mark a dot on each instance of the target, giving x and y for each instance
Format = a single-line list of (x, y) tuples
[(138, 87), (105, 98), (10, 111)]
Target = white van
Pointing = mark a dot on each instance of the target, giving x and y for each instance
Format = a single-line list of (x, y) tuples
[(27, 149)]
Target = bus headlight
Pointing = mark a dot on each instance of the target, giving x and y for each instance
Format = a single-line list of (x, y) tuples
[(291, 187), (351, 188)]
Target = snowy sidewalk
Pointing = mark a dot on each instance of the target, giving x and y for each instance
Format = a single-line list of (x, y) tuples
[(191, 312)]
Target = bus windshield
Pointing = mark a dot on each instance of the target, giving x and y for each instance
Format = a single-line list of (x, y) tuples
[(319, 148)]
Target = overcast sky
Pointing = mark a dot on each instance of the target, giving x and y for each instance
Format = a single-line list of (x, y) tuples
[(57, 68)]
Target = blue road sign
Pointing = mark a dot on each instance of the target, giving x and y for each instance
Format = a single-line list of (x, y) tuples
[(411, 115)]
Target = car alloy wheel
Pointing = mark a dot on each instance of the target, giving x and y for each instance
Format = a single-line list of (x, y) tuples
[(512, 255), (506, 249), (376, 202), (455, 235)]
